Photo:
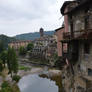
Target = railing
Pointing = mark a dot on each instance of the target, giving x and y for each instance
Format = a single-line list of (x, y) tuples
[(76, 34)]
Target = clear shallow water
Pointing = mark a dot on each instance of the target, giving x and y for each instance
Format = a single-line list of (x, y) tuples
[(36, 83)]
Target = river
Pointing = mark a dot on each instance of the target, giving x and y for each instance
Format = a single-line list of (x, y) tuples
[(41, 82)]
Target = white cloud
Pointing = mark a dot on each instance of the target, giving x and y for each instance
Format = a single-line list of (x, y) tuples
[(22, 16)]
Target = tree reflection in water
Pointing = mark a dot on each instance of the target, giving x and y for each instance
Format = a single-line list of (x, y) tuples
[(56, 78)]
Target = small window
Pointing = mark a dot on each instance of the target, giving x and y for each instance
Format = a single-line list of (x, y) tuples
[(87, 9), (90, 72), (86, 48), (86, 17)]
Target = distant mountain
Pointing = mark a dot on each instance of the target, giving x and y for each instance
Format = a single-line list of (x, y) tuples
[(32, 36), (5, 39)]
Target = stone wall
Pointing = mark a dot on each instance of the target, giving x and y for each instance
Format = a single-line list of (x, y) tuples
[(78, 82)]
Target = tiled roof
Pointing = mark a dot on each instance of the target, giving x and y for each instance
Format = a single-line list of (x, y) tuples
[(59, 29)]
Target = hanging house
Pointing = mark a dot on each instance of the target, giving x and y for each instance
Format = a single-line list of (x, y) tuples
[(78, 37)]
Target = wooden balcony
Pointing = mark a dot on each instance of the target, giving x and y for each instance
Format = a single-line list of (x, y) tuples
[(77, 34)]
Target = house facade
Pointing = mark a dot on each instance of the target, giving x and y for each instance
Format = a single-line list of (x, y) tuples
[(50, 51), (40, 44), (17, 44), (59, 35), (78, 22)]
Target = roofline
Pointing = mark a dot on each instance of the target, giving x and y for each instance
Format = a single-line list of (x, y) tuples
[(65, 5), (79, 6), (59, 29)]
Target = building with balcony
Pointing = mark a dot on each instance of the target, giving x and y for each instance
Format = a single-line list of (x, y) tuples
[(78, 37)]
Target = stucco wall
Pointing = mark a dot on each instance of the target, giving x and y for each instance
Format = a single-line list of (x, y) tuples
[(59, 35)]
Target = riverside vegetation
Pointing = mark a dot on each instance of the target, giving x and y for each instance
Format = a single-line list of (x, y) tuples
[(8, 67)]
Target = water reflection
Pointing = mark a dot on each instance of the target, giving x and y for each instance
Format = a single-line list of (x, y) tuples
[(35, 83), (56, 78)]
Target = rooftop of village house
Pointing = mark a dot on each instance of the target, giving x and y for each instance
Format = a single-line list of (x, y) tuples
[(79, 4), (59, 28)]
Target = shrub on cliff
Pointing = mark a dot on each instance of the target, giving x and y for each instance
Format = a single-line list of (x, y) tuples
[(16, 78)]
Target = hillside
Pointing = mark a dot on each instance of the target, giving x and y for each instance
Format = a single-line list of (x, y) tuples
[(32, 36), (5, 39)]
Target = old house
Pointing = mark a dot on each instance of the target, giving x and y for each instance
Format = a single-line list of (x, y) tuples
[(17, 44), (50, 51), (59, 35), (41, 43), (78, 23)]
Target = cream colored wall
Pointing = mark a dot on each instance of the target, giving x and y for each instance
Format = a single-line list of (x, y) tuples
[(18, 44)]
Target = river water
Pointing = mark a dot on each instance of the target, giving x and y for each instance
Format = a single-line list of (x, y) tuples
[(40, 83)]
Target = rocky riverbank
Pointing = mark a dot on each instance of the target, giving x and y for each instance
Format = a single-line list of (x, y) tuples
[(39, 70)]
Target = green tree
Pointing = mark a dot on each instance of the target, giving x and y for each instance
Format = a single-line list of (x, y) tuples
[(12, 61), (1, 66), (22, 51), (1, 46), (30, 46), (3, 57), (9, 55)]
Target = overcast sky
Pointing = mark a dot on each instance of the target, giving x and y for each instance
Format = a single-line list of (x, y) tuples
[(23, 16)]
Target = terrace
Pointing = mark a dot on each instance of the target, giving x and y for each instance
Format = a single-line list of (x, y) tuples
[(83, 34)]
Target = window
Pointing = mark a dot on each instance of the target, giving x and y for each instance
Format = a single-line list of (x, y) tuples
[(86, 48), (86, 17), (90, 72)]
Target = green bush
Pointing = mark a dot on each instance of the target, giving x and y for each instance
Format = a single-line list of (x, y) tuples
[(5, 87), (5, 84), (22, 51), (16, 78), (30, 46), (25, 68)]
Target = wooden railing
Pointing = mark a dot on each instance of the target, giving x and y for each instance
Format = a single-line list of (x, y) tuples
[(76, 34)]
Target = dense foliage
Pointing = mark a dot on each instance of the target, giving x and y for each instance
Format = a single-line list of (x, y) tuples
[(12, 61), (3, 57), (30, 46), (8, 61), (22, 51), (1, 46), (6, 40), (1, 66), (6, 87), (16, 78)]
